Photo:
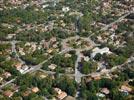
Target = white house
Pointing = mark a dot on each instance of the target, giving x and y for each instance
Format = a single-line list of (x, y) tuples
[(101, 51), (52, 66), (65, 9)]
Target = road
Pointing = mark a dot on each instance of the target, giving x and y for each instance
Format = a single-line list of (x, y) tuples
[(112, 69), (37, 67), (78, 75), (65, 45), (13, 43), (118, 20), (32, 68), (51, 73), (5, 84)]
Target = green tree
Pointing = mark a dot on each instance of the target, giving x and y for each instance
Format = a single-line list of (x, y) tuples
[(98, 57)]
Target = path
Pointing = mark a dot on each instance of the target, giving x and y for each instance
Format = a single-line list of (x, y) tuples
[(118, 20)]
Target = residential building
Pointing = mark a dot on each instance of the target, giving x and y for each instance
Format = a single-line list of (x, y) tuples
[(18, 65), (125, 88), (35, 89), (60, 94), (52, 66), (8, 93), (7, 74), (105, 91), (101, 51)]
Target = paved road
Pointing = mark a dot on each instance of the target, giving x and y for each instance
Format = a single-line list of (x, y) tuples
[(118, 20), (51, 73), (112, 69), (13, 43), (88, 39), (78, 75), (37, 67), (5, 84)]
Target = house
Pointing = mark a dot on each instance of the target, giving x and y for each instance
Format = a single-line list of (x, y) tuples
[(15, 2), (27, 44), (86, 58), (65, 9), (18, 65), (23, 68), (1, 79), (8, 93), (60, 94), (7, 74), (35, 89), (1, 9), (105, 91), (106, 4), (114, 27), (46, 45), (79, 43), (63, 24), (67, 55), (55, 45), (53, 39), (57, 90), (52, 76), (44, 6), (33, 47), (43, 76), (88, 79), (125, 88), (52, 66), (95, 77), (70, 98), (1, 53), (26, 93), (21, 51), (10, 36), (8, 58), (100, 95), (69, 70), (50, 51), (101, 51)]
